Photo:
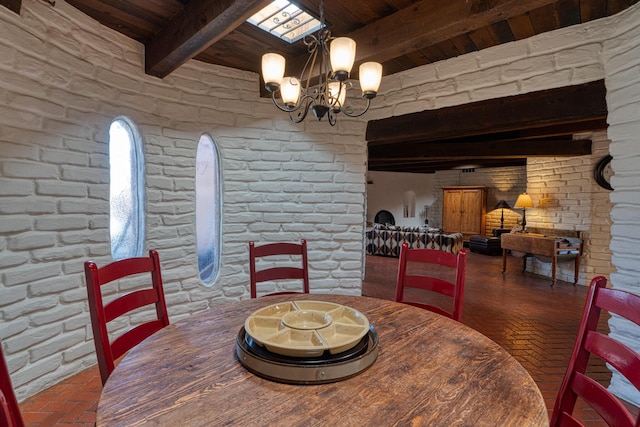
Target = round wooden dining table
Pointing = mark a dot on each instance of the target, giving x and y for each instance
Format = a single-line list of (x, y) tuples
[(429, 371)]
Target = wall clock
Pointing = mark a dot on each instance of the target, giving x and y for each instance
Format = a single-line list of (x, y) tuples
[(602, 172)]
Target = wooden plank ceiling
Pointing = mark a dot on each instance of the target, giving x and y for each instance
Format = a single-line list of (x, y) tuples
[(401, 34)]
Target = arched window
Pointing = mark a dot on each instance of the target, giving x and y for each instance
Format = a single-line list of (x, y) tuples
[(126, 190), (208, 209)]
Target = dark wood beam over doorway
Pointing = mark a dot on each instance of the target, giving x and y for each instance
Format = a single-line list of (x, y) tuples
[(537, 124)]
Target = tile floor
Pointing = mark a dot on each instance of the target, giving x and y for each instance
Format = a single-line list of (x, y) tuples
[(535, 322)]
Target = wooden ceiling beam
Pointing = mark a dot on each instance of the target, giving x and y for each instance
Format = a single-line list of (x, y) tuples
[(423, 24), (475, 150), (200, 24), (13, 5), (571, 104), (434, 166)]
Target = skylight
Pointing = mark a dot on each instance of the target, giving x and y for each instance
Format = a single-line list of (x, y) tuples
[(285, 20)]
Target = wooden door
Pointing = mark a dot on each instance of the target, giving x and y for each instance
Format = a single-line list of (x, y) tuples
[(451, 210), (472, 217)]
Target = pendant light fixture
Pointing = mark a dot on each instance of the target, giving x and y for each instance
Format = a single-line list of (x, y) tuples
[(324, 81)]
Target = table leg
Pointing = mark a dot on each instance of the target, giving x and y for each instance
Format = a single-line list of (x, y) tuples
[(524, 264), (504, 260), (554, 261), (576, 269)]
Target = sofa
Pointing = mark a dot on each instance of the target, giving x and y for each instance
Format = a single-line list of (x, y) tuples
[(387, 239)]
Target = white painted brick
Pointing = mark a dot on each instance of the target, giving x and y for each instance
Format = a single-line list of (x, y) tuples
[(546, 81), (60, 188), (64, 157), (503, 90), (15, 327), (56, 346), (28, 240), (15, 187), (23, 205), (12, 260)]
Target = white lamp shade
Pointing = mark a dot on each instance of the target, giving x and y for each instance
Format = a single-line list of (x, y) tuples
[(370, 74), (290, 90), (335, 92), (272, 68), (342, 53)]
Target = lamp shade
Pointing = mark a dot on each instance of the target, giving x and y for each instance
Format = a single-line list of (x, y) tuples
[(370, 75), (524, 201), (273, 68), (290, 91), (342, 55), (502, 205)]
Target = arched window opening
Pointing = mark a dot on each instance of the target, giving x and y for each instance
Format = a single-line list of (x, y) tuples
[(208, 210), (126, 190)]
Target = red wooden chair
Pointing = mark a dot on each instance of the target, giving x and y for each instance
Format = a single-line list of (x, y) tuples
[(101, 314), (589, 341), (10, 415), (452, 289), (284, 272)]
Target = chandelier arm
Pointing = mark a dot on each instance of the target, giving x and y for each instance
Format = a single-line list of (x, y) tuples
[(350, 114), (331, 117), (284, 108), (307, 101), (312, 58)]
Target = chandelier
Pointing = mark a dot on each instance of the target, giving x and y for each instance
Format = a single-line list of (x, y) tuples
[(324, 81)]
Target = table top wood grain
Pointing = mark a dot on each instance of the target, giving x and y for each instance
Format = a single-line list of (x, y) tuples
[(430, 371)]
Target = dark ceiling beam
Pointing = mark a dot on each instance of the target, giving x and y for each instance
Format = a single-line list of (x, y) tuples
[(429, 22), (474, 150), (12, 5), (425, 24), (570, 104), (434, 166), (200, 24)]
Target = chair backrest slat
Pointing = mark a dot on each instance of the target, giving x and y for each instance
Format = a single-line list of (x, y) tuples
[(576, 383), (274, 272), (108, 351), (10, 414), (432, 283)]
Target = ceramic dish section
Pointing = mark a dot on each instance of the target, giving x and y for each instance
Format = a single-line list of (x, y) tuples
[(306, 328)]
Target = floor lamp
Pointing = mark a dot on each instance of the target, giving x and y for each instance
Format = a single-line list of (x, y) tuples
[(502, 205), (524, 201)]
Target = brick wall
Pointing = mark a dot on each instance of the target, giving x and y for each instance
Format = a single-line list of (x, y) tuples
[(502, 184), (62, 80), (573, 201), (621, 59)]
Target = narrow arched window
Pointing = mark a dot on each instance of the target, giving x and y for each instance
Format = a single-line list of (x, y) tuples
[(208, 209), (126, 190)]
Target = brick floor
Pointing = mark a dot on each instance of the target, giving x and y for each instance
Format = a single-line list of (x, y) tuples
[(532, 320)]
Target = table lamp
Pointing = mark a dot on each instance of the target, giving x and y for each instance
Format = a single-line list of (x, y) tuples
[(502, 205), (524, 201)]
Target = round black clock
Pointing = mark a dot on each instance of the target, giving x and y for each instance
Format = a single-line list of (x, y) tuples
[(602, 172)]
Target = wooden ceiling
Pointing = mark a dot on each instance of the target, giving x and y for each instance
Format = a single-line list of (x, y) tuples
[(401, 34)]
